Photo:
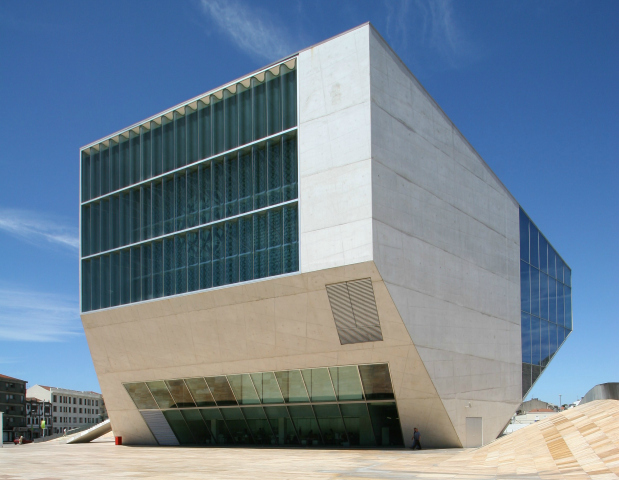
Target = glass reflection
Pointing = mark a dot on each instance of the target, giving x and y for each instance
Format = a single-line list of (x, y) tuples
[(292, 386), (179, 393), (331, 424), (376, 382), (267, 387), (347, 383), (318, 383), (200, 392), (281, 425), (259, 425), (161, 394), (214, 420), (237, 426), (305, 424), (243, 389), (196, 425), (221, 391), (358, 425), (141, 396), (179, 427)]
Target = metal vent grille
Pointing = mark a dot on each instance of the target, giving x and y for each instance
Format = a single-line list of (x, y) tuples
[(354, 311), (160, 427)]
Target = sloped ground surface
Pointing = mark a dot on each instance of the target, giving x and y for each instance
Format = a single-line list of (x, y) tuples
[(582, 443)]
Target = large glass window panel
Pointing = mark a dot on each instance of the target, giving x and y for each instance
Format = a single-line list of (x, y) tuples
[(115, 221), (246, 251), (219, 252), (146, 212), (105, 281), (179, 427), (258, 425), (545, 342), (246, 197), (536, 371), (543, 293), (276, 230), (525, 330), (161, 394), (216, 424), (289, 168), (386, 423), (141, 396), (274, 103), (114, 166), (232, 252), (169, 280), (168, 205), (180, 393), (192, 134), (232, 185), (157, 209), (125, 276), (205, 193), (231, 119), (292, 386), (146, 152), (567, 299), (331, 424), (96, 283), (260, 176), (525, 286), (543, 254), (318, 383), (552, 300), (95, 227), (193, 198), (260, 245), (115, 279), (147, 272), (535, 303), (552, 262), (168, 143), (219, 189), (274, 170), (135, 215), (197, 426), (358, 425), (206, 272), (567, 276), (553, 333), (524, 236), (136, 160), (244, 104), (559, 266), (526, 379), (347, 383), (267, 387), (204, 119), (221, 391), (157, 269), (536, 343), (534, 245), (125, 161), (180, 254), (136, 275), (95, 173), (180, 139), (105, 169), (125, 218), (305, 424), (243, 389), (289, 97), (86, 177), (291, 239), (181, 200), (200, 392), (157, 148), (86, 228), (259, 108), (238, 427), (86, 286), (193, 261), (282, 426), (376, 381), (560, 304), (218, 124)]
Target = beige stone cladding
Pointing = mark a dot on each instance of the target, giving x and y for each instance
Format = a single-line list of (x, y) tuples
[(446, 242), (274, 324)]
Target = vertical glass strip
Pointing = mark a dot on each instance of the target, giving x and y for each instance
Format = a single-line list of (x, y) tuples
[(192, 134), (136, 275), (206, 246), (168, 205), (232, 252), (157, 209), (136, 160), (135, 215), (259, 107), (115, 166), (95, 227), (169, 280), (86, 286), (115, 221), (125, 218), (147, 274), (232, 185), (204, 128), (260, 176), (219, 253), (245, 116), (290, 172), (180, 253), (260, 245), (85, 176), (86, 228), (105, 224), (231, 119), (105, 169), (157, 148), (146, 212), (146, 152), (115, 279), (219, 189), (274, 171), (96, 283), (181, 199), (291, 239), (167, 143), (95, 173), (246, 251), (525, 331), (193, 199), (289, 97), (275, 241), (180, 139), (218, 124), (205, 193), (193, 261), (125, 161), (274, 103), (157, 269), (246, 180), (125, 276), (105, 281)]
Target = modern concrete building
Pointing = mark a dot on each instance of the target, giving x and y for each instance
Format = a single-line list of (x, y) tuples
[(70, 408), (312, 254)]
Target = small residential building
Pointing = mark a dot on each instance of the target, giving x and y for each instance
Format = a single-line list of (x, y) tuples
[(12, 405), (535, 404), (36, 412), (70, 408)]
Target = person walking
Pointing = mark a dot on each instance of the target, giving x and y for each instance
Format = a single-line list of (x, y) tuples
[(416, 439)]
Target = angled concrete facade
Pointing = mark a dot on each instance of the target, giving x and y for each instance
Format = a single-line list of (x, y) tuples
[(388, 189)]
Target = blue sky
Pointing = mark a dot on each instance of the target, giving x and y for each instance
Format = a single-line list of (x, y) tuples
[(532, 85)]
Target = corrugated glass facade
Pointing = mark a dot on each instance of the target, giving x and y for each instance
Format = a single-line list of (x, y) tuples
[(202, 196), (546, 301), (347, 406)]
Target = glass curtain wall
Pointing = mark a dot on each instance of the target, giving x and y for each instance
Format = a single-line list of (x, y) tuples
[(546, 301), (335, 406), (156, 200)]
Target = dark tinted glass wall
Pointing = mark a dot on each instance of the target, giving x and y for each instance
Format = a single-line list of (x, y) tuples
[(167, 207), (546, 301)]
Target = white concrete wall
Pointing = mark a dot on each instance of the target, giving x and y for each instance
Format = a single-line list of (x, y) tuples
[(334, 152), (446, 242)]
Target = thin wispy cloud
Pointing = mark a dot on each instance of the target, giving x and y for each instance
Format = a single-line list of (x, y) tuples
[(429, 26), (249, 28), (38, 229), (37, 316)]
